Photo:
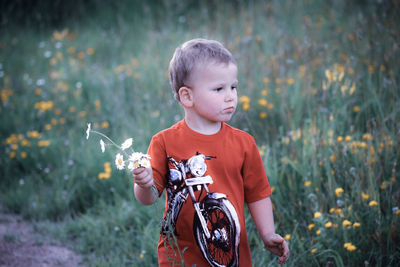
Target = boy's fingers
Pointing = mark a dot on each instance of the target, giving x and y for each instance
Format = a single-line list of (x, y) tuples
[(277, 239), (285, 253), (138, 170)]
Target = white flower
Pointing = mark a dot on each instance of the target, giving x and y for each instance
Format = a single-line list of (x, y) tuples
[(119, 161), (127, 143), (137, 160), (136, 156), (144, 162), (131, 166), (102, 145), (88, 131)]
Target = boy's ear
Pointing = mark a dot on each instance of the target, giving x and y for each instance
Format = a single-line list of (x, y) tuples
[(186, 96)]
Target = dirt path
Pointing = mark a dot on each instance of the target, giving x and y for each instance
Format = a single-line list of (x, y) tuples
[(19, 246)]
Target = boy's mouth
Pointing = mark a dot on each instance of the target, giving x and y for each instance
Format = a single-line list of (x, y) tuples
[(229, 110)]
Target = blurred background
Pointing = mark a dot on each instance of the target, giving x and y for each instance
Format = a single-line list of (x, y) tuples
[(318, 87)]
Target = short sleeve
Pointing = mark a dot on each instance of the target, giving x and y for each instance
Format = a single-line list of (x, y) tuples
[(256, 184), (158, 162)]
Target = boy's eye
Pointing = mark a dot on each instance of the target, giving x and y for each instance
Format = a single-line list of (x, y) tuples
[(218, 89), (234, 87)]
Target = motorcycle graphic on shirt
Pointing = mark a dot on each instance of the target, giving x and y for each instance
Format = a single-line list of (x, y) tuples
[(216, 225)]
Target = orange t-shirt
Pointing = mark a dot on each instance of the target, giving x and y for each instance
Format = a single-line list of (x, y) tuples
[(236, 169)]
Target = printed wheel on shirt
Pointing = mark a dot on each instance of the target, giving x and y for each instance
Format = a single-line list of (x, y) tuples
[(223, 224)]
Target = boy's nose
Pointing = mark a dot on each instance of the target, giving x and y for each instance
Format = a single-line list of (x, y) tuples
[(230, 95)]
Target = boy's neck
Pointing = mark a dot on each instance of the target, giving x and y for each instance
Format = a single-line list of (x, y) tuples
[(202, 127)]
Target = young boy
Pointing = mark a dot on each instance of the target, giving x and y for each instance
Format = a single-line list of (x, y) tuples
[(203, 75)]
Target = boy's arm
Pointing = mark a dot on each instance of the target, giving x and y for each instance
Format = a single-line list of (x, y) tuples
[(263, 217), (144, 188)]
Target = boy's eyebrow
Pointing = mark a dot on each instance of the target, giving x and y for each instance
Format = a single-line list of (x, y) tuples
[(222, 84)]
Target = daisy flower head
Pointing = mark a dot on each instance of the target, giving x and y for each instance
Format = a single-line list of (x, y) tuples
[(137, 160), (102, 145), (119, 161), (88, 130), (127, 143)]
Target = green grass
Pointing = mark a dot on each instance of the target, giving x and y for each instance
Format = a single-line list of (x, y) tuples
[(327, 125)]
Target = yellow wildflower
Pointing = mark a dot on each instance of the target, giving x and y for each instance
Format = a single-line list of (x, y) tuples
[(371, 69), (12, 154), (373, 203), (351, 247), (33, 134), (264, 92), (262, 102), (313, 250), (329, 75), (311, 226), (290, 81), (81, 55), (278, 90), (246, 106), (23, 154), (356, 108), (317, 214), (332, 158), (90, 51), (364, 196), (307, 183), (367, 137), (97, 104), (328, 225), (266, 80), (105, 125), (346, 223), (356, 224), (263, 115), (338, 211), (318, 232), (25, 143), (43, 143), (384, 185), (339, 139), (398, 212), (244, 99), (287, 237), (339, 191)]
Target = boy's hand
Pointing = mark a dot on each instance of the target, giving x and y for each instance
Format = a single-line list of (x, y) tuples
[(277, 245), (143, 177)]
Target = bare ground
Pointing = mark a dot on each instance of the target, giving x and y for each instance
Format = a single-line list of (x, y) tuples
[(19, 246)]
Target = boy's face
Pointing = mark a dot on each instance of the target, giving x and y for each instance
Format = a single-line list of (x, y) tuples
[(214, 91)]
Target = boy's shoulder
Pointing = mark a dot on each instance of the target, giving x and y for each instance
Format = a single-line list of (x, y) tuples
[(238, 132)]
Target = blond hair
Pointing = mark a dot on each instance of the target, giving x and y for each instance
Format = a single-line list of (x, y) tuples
[(191, 54)]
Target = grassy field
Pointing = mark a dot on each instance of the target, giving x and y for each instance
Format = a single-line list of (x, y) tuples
[(319, 90)]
